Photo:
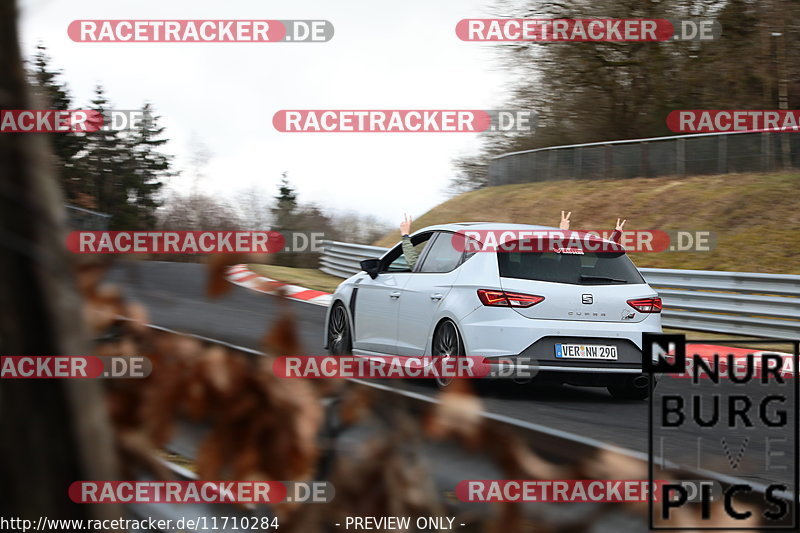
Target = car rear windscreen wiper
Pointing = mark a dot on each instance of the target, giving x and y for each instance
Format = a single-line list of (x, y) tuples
[(601, 278)]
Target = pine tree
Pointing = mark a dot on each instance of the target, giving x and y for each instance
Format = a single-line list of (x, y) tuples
[(51, 93), (286, 218), (103, 164), (126, 169), (285, 205), (146, 169)]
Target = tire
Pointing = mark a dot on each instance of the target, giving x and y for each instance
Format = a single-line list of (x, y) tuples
[(626, 390), (447, 344), (340, 337)]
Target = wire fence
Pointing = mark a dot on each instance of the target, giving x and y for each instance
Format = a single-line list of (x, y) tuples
[(708, 153)]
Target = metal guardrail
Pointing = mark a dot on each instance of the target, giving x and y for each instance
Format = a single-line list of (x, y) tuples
[(85, 219), (739, 303), (341, 259)]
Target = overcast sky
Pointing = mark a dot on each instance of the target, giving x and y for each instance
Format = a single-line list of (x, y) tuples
[(399, 55)]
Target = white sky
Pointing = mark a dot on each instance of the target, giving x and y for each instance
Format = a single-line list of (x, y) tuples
[(400, 55)]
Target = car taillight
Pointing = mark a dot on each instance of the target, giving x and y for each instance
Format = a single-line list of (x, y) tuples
[(646, 305), (497, 298)]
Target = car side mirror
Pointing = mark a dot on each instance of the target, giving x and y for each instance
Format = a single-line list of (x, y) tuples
[(371, 267)]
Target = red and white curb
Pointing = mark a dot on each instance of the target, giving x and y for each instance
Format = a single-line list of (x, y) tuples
[(242, 276)]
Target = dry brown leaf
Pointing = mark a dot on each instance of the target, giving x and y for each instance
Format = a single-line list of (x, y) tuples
[(217, 269)]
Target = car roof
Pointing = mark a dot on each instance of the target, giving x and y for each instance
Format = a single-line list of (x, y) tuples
[(501, 226)]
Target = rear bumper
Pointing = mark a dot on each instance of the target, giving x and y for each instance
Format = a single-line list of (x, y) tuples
[(542, 354), (539, 361), (497, 332)]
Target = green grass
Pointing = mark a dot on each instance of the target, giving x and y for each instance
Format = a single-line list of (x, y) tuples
[(754, 218), (306, 277)]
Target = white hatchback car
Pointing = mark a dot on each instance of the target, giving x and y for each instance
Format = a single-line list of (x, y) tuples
[(575, 317)]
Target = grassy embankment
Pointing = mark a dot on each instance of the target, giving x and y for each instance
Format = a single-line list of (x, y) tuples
[(754, 218)]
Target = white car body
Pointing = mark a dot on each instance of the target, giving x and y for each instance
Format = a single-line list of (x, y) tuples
[(397, 313)]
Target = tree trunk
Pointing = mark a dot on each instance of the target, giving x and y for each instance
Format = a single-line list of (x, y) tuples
[(52, 432)]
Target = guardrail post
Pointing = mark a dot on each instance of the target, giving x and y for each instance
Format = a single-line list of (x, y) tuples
[(786, 151), (644, 159), (577, 163), (680, 157), (608, 169), (514, 172), (551, 165), (766, 152), (722, 154), (491, 173)]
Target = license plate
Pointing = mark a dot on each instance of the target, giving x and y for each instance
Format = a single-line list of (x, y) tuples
[(586, 351)]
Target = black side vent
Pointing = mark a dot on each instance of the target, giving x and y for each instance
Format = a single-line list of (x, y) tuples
[(353, 311)]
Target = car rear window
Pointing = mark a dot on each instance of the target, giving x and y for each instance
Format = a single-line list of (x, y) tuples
[(589, 268)]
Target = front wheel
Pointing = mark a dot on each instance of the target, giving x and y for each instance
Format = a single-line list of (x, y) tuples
[(340, 340), (446, 345)]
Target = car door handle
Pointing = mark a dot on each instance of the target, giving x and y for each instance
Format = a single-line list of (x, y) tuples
[(394, 295), (436, 296)]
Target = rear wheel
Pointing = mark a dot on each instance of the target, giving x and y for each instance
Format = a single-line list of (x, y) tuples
[(446, 346), (340, 340), (631, 389)]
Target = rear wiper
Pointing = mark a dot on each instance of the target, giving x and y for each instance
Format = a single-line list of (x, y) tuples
[(601, 278)]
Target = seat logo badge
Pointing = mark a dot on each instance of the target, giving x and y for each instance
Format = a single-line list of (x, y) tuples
[(587, 299)]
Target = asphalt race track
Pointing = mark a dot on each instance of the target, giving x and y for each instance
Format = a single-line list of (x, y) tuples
[(174, 294)]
